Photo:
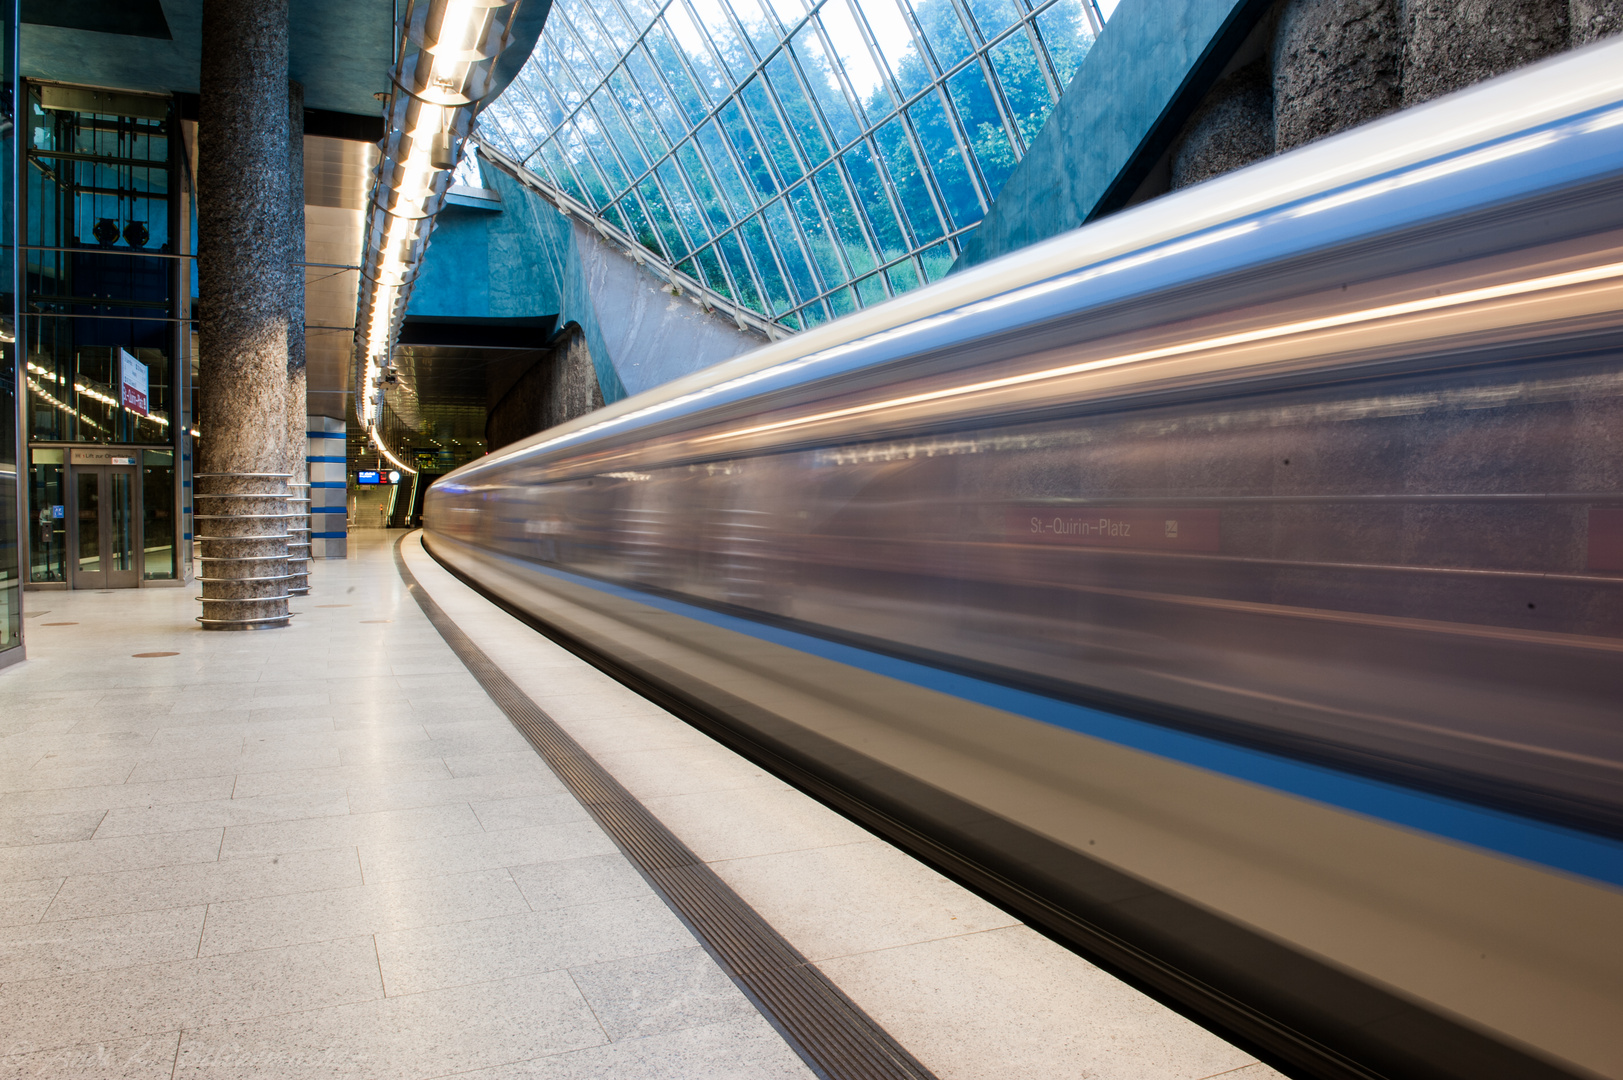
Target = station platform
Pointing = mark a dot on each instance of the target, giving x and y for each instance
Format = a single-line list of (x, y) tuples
[(326, 851)]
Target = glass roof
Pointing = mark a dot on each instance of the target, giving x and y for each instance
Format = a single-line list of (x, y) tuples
[(799, 159)]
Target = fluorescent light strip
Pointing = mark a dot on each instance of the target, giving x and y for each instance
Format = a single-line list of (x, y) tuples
[(377, 440)]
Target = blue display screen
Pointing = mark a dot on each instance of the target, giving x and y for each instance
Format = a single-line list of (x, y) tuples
[(368, 476)]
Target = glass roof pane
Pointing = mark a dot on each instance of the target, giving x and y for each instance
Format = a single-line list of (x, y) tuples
[(735, 55), (716, 215), (943, 30), (854, 55), (670, 176), (984, 125), (895, 37), (561, 174), (641, 12), (613, 24), (593, 45), (869, 188), (555, 69), (667, 58), (637, 111), (937, 261), (604, 107), (660, 104), (754, 237), (759, 101), (539, 90), (761, 28), (938, 140), (639, 224), (791, 251), (847, 222), (694, 47), (1068, 35), (1024, 87), (711, 272), (729, 119), (823, 246), (721, 164), (912, 188), (670, 234), (802, 116), (732, 253), (992, 17), (824, 83), (789, 12), (754, 162)]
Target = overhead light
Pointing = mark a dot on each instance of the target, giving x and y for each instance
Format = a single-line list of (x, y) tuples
[(447, 59)]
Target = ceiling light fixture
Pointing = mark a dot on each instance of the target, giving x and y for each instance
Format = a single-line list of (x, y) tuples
[(448, 50)]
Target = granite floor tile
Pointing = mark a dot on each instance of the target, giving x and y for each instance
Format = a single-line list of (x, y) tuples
[(589, 880), (125, 1003), (109, 856), (349, 830), (940, 994), (339, 778), (68, 947), (386, 859), (878, 898), (269, 922), (751, 821), (25, 901), (369, 798), (434, 1034), (743, 1049), (223, 813), (458, 954), (146, 1058), (205, 883), (103, 797), (21, 829), (524, 813), (654, 994)]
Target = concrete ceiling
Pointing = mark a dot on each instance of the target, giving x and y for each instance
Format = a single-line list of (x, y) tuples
[(341, 52)]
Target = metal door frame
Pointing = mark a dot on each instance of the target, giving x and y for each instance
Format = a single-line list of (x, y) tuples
[(126, 579)]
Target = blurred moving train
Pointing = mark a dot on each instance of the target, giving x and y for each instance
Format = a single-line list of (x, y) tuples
[(1232, 587)]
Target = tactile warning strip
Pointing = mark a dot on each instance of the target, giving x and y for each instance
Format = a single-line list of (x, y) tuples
[(834, 1036)]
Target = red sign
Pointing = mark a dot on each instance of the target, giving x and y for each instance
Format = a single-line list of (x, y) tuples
[(1606, 539), (1116, 527), (133, 383)]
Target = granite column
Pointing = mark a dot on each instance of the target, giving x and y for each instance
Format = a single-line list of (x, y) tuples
[(242, 180), (298, 421)]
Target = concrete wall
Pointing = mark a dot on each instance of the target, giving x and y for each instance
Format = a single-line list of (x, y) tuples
[(1178, 91), (560, 385), (530, 260)]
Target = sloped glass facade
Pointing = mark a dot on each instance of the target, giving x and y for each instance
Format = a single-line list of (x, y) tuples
[(800, 159)]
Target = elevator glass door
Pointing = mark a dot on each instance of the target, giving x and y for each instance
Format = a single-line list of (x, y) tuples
[(104, 539)]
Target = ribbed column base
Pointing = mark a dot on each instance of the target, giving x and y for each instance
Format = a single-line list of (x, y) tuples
[(243, 538)]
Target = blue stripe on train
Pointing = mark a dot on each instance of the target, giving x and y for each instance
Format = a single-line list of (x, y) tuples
[(1537, 842)]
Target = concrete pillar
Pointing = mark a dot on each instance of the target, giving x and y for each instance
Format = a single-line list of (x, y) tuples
[(1337, 64), (1591, 20), (299, 549), (242, 155), (1233, 127), (1452, 44)]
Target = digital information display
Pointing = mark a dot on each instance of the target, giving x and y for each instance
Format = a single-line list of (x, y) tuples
[(368, 476)]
